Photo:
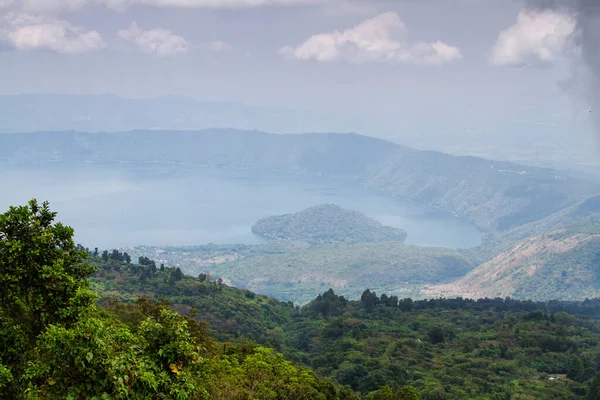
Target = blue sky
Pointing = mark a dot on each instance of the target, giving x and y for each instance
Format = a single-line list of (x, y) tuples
[(487, 68)]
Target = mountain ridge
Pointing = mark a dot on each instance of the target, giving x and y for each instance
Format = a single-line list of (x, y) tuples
[(109, 112), (493, 195)]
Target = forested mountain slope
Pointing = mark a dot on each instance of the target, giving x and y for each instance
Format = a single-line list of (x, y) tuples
[(444, 348), (493, 195)]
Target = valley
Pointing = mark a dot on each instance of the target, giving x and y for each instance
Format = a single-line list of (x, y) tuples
[(299, 200), (193, 200)]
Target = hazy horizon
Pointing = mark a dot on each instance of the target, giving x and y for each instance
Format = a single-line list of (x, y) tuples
[(410, 72)]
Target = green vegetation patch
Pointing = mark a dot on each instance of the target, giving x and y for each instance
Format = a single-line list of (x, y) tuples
[(327, 223)]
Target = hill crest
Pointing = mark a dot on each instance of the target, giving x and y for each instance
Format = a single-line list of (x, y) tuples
[(327, 223)]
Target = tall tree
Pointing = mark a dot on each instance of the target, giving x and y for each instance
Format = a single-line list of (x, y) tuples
[(44, 278), (43, 281)]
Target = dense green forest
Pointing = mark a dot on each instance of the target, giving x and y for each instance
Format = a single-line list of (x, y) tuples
[(327, 223), (80, 323), (443, 348)]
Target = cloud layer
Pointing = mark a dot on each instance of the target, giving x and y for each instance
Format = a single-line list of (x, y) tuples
[(159, 42), (383, 38), (35, 32), (538, 36)]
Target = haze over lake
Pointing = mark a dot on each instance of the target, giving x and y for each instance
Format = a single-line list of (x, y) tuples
[(117, 206)]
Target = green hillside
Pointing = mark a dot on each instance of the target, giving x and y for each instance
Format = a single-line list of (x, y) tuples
[(553, 258), (232, 313), (445, 349), (298, 272), (327, 223)]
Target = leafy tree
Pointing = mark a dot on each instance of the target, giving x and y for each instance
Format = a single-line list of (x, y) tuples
[(44, 281), (593, 392), (369, 300), (406, 305), (436, 334), (105, 256), (576, 371), (176, 274), (116, 255), (43, 277), (387, 393)]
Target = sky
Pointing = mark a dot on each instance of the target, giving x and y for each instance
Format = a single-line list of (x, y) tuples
[(452, 71)]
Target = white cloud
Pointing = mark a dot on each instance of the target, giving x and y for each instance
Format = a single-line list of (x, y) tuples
[(46, 5), (160, 42), (383, 38), (37, 32), (537, 36)]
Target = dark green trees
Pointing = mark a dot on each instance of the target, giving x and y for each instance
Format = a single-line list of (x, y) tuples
[(387, 393), (369, 300), (594, 389)]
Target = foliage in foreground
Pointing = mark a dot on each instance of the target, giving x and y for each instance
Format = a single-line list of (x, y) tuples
[(56, 343)]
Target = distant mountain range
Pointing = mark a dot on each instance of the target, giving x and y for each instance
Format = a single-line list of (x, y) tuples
[(508, 140), (110, 113), (493, 195)]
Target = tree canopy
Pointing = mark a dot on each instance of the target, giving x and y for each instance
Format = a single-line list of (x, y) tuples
[(55, 342)]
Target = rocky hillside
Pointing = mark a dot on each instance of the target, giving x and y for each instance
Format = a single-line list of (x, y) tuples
[(327, 223), (557, 257), (558, 265)]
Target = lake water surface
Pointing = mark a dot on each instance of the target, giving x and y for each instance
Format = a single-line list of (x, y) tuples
[(118, 206)]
